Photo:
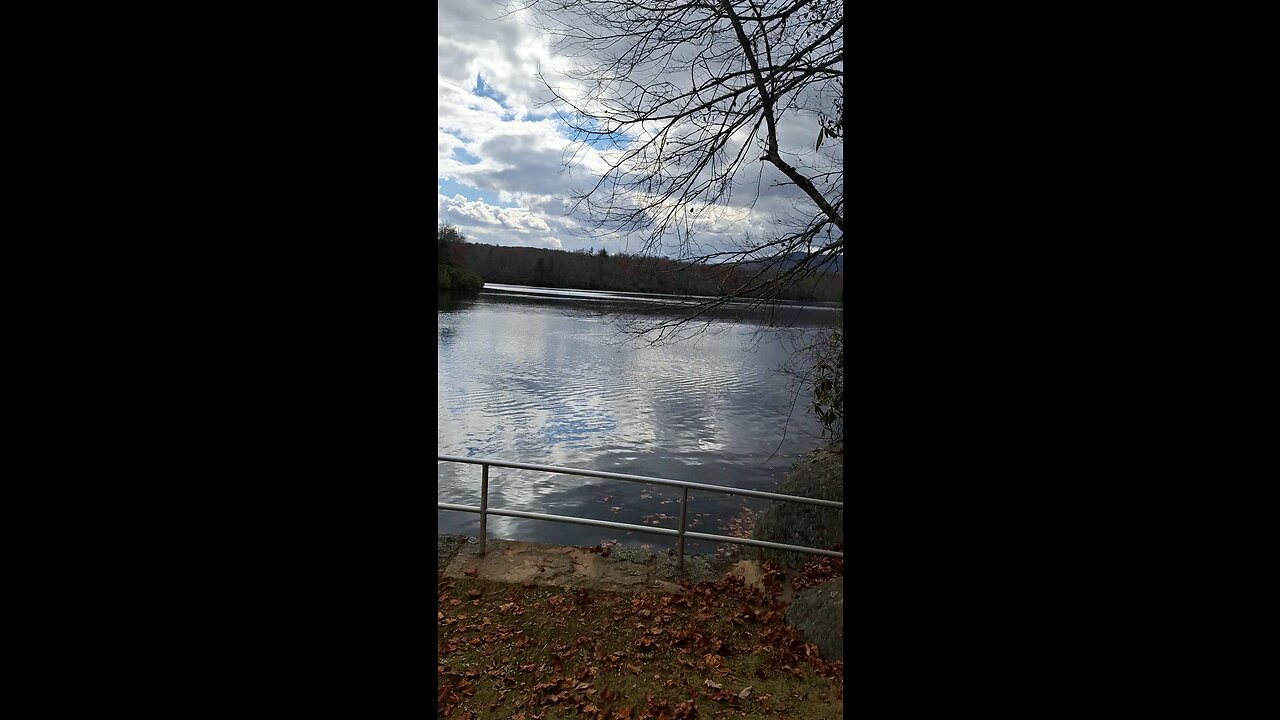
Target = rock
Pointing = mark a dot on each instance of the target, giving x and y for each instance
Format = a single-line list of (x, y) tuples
[(818, 613), (447, 547), (819, 475)]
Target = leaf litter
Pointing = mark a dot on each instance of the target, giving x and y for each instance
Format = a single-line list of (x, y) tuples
[(715, 650)]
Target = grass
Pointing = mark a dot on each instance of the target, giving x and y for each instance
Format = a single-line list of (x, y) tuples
[(545, 653)]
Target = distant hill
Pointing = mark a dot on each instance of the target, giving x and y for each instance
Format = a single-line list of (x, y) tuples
[(790, 260)]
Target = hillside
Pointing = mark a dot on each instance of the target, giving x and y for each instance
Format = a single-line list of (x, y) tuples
[(600, 270)]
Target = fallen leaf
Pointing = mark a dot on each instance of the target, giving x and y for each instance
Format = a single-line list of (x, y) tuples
[(471, 572), (473, 594), (713, 684), (582, 686), (634, 668), (455, 602), (711, 660), (745, 692)]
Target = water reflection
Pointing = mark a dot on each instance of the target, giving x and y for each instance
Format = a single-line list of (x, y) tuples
[(521, 379)]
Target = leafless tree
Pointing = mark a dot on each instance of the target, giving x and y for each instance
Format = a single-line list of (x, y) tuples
[(680, 102)]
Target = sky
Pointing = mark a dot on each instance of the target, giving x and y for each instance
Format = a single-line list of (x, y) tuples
[(501, 177), (499, 162)]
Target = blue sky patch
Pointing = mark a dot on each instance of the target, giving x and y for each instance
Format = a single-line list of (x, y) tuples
[(465, 157), (483, 89), (449, 188), (610, 141)]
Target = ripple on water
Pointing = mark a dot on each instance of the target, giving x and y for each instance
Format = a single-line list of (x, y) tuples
[(530, 384)]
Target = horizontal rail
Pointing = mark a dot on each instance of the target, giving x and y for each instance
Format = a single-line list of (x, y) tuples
[(761, 543), (642, 528), (641, 478), (561, 518)]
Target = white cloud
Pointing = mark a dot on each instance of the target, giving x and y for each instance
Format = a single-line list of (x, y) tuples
[(513, 152)]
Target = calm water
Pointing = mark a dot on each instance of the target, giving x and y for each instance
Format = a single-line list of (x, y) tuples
[(541, 376)]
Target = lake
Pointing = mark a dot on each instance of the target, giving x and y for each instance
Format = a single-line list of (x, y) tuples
[(544, 376)]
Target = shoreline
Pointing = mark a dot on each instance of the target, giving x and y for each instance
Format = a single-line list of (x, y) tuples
[(617, 569)]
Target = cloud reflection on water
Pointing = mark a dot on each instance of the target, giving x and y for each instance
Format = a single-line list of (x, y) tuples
[(521, 380)]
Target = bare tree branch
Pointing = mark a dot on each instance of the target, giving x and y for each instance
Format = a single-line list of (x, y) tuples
[(673, 104)]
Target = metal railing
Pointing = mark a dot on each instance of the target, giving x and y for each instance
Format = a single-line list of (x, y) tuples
[(680, 533)]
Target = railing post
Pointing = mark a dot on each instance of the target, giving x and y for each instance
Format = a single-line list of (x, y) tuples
[(684, 507), (484, 505)]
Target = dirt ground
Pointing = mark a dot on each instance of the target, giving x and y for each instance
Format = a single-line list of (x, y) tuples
[(616, 569)]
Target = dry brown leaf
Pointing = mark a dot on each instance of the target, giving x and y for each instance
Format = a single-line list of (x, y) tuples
[(745, 692), (711, 660), (473, 594), (713, 684), (634, 668), (471, 572)]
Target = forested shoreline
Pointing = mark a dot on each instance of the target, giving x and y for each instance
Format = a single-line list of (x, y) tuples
[(601, 270)]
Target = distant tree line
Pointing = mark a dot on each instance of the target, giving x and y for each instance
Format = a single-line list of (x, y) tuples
[(451, 271), (594, 269)]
